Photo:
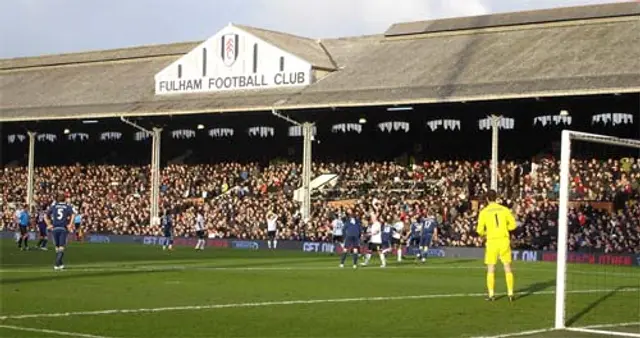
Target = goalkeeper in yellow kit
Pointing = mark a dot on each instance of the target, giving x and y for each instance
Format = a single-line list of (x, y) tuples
[(494, 222)]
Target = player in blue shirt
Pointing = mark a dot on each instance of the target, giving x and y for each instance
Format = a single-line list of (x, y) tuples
[(42, 228), (166, 221), (415, 235), (22, 220), (428, 233), (60, 221), (352, 232)]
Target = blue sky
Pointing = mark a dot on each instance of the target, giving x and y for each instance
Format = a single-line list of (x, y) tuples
[(37, 27)]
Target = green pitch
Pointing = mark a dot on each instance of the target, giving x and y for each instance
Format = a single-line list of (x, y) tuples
[(111, 290)]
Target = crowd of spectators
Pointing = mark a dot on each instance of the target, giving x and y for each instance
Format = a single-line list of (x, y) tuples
[(236, 198)]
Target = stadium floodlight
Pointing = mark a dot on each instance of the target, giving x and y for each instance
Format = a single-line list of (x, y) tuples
[(400, 108), (89, 121), (200, 126), (564, 112), (621, 287), (362, 120), (66, 131)]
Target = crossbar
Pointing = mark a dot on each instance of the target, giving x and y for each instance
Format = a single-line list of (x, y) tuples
[(603, 139)]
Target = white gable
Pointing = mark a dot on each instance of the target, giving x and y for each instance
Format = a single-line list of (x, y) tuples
[(233, 60)]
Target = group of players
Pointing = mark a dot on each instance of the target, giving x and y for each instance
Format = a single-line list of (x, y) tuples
[(378, 236), (495, 222), (60, 218)]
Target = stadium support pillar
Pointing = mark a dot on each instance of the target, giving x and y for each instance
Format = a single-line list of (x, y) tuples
[(495, 128), (307, 133), (155, 175), (155, 168), (31, 165), (307, 136)]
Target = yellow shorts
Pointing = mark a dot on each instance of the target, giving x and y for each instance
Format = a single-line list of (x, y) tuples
[(495, 250)]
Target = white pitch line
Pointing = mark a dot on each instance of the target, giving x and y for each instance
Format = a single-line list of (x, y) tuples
[(59, 333), (286, 302), (517, 334), (213, 268), (527, 333), (603, 326)]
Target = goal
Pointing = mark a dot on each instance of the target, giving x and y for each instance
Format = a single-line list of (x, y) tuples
[(602, 297)]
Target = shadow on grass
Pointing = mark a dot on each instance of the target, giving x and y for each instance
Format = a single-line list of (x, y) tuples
[(534, 288), (595, 304)]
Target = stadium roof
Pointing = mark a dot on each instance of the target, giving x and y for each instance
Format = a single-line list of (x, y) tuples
[(572, 51)]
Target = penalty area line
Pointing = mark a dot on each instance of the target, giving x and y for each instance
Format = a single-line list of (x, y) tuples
[(283, 303), (55, 332)]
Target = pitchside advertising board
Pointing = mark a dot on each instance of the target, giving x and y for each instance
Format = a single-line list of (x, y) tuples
[(233, 59), (322, 247)]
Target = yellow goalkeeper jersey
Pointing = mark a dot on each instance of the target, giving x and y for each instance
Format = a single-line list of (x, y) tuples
[(495, 221)]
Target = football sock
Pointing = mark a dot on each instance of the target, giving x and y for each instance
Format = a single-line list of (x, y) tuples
[(399, 253), (58, 258), (269, 244), (275, 243), (383, 259), (367, 258), (343, 257), (26, 239), (355, 258), (20, 242), (44, 243), (491, 282), (509, 277)]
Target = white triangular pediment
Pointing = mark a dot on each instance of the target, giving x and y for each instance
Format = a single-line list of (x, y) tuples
[(233, 59)]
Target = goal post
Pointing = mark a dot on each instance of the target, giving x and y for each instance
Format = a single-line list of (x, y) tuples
[(568, 137)]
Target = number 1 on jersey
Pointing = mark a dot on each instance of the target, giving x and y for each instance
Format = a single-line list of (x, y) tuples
[(497, 220)]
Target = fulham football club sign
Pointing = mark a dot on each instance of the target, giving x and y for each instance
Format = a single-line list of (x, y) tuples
[(233, 59)]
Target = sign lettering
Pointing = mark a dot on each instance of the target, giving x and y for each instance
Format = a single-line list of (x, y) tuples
[(237, 82)]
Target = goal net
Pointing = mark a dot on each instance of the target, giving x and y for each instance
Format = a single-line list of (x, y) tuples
[(598, 253)]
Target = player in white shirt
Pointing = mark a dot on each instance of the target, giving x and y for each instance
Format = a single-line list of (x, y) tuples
[(396, 238), (200, 230), (272, 230), (375, 243), (337, 226)]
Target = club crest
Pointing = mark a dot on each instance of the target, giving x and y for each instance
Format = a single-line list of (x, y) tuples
[(229, 49)]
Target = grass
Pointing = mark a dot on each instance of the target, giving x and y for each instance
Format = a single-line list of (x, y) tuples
[(291, 294)]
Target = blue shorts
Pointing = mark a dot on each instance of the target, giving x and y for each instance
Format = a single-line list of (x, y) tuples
[(59, 237), (386, 244), (42, 229), (352, 242), (426, 240), (23, 229)]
